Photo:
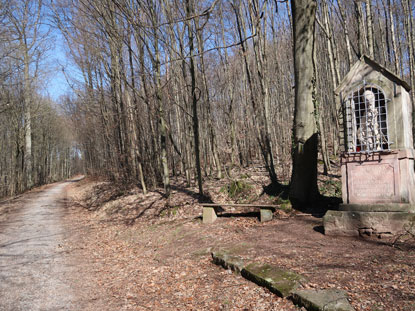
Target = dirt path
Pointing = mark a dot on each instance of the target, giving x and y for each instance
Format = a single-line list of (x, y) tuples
[(36, 272)]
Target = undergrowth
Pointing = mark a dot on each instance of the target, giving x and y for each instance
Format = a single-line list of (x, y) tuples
[(239, 190)]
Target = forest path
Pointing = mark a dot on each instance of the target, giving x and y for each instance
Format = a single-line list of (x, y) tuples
[(36, 272)]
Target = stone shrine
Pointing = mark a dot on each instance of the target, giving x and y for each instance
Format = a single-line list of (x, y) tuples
[(377, 163)]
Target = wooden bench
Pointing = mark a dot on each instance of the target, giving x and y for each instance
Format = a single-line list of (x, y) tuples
[(209, 213)]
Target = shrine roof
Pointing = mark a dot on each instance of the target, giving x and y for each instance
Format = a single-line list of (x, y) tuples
[(375, 66)]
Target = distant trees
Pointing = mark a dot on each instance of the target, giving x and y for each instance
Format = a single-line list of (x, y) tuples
[(35, 145), (54, 154), (184, 85), (23, 20)]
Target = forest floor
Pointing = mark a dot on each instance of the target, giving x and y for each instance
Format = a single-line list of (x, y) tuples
[(151, 253), (144, 252)]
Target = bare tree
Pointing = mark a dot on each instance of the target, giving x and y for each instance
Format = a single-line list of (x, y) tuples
[(303, 187), (24, 23)]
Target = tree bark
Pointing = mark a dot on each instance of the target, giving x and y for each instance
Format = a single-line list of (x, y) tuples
[(359, 20), (28, 122), (195, 117), (411, 58), (393, 38), (303, 188), (346, 34), (369, 22)]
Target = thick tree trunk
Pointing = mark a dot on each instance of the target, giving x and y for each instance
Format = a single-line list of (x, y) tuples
[(303, 189)]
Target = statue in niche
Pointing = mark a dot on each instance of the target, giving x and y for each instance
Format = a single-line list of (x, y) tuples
[(367, 108), (368, 131)]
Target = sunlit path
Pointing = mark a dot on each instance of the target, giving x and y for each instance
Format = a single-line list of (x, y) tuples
[(33, 266)]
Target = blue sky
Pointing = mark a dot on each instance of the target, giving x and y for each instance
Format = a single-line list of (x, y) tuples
[(56, 84)]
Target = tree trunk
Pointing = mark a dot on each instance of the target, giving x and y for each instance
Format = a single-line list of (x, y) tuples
[(259, 44), (393, 37), (369, 21), (28, 127), (411, 59), (209, 117), (359, 20), (195, 117), (303, 189), (159, 104), (346, 34)]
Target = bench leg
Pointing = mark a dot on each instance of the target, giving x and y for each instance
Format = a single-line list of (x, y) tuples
[(265, 215), (209, 215)]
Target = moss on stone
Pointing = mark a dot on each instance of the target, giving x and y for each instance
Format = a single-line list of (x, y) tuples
[(279, 281), (228, 261)]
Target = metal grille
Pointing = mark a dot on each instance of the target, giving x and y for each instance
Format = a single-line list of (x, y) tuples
[(367, 120)]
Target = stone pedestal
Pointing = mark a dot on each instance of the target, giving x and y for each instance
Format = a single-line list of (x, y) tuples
[(265, 214), (378, 192), (378, 177), (355, 223), (209, 215)]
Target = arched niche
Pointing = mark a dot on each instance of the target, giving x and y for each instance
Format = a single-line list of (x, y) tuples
[(366, 115)]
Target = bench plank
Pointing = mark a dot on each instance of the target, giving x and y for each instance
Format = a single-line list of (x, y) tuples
[(238, 205), (209, 213)]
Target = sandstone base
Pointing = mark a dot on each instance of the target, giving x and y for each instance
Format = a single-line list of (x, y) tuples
[(378, 178), (209, 215), (265, 215), (381, 207), (322, 300), (355, 223)]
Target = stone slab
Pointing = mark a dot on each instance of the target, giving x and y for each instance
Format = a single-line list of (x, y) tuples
[(378, 178), (228, 261), (373, 181), (385, 207), (322, 300), (355, 223), (209, 215), (284, 283), (279, 281), (265, 214)]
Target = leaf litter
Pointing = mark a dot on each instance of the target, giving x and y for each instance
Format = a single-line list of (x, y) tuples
[(150, 253)]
